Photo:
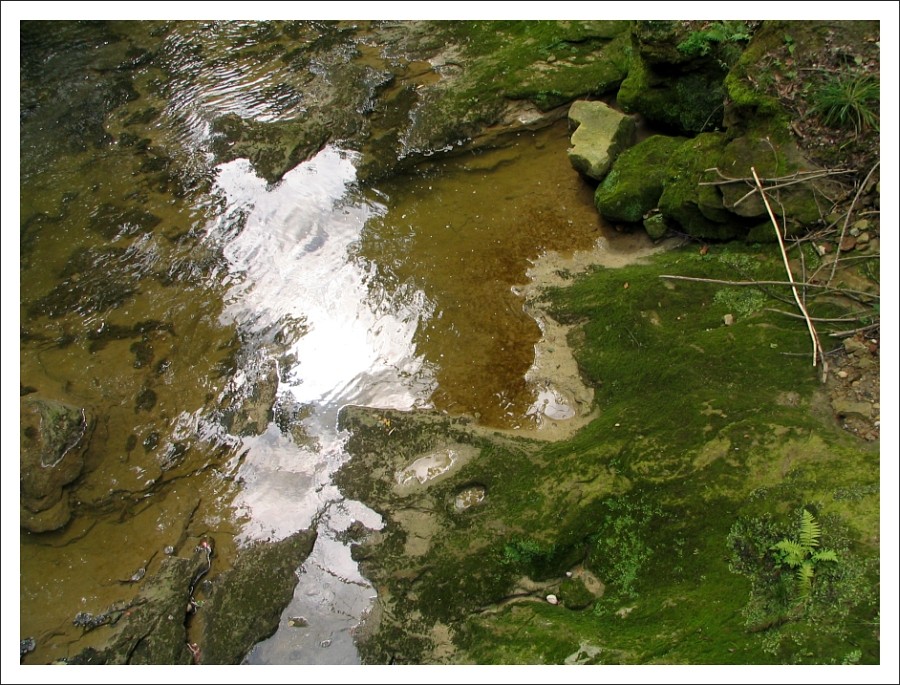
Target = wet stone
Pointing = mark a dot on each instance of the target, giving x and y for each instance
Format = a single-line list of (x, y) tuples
[(145, 400), (469, 497)]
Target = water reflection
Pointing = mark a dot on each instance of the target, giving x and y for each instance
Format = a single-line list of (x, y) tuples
[(298, 294)]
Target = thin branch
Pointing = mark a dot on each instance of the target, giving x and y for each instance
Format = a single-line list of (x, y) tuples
[(842, 291), (817, 345), (862, 329), (844, 319), (823, 265), (847, 220), (790, 179), (802, 267)]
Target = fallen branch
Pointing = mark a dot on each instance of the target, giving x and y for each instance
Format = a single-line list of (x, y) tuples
[(861, 329), (780, 181), (842, 291), (817, 345), (845, 319), (847, 220)]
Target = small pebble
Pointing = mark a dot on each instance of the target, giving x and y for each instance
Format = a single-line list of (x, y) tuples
[(552, 599)]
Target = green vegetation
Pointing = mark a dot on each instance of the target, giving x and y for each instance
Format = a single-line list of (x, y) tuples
[(700, 43), (619, 550), (801, 554), (848, 100), (694, 447), (806, 602)]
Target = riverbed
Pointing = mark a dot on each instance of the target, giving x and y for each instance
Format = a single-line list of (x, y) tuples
[(211, 323)]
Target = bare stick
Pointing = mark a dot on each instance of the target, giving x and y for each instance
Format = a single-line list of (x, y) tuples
[(817, 345), (845, 319), (847, 220), (756, 284), (797, 177), (847, 334)]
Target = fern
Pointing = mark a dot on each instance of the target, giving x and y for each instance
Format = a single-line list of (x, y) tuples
[(825, 555), (801, 554), (810, 531), (792, 553), (805, 573)]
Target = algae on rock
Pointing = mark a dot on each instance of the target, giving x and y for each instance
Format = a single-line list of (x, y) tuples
[(634, 185)]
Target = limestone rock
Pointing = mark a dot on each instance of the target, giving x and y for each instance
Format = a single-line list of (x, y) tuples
[(601, 133)]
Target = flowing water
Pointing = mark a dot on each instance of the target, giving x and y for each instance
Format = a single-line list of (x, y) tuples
[(212, 324)]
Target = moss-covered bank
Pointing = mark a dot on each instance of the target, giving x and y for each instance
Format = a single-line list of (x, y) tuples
[(706, 431)]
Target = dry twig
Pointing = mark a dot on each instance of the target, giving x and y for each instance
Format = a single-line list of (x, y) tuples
[(818, 352), (847, 220)]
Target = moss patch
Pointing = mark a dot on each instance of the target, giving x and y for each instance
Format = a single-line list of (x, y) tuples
[(635, 183), (645, 496)]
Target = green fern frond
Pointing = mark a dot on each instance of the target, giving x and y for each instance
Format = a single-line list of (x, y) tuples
[(792, 553), (810, 531), (825, 555), (805, 573)]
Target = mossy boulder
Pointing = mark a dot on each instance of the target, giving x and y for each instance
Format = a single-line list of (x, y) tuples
[(697, 209), (600, 134), (656, 225), (574, 594), (800, 205), (634, 185), (677, 72)]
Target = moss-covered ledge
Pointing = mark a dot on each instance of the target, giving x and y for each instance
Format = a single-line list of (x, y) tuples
[(653, 499)]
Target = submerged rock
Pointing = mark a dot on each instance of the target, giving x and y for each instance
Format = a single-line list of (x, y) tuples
[(243, 607), (53, 440), (245, 602)]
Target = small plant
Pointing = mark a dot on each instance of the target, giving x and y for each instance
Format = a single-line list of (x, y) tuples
[(801, 554), (525, 552), (619, 550), (743, 301), (700, 43), (848, 101)]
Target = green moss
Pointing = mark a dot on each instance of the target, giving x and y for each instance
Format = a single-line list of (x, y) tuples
[(574, 594), (645, 496), (752, 98), (662, 87), (697, 209), (635, 184)]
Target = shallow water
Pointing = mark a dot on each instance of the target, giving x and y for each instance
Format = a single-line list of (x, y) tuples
[(214, 324)]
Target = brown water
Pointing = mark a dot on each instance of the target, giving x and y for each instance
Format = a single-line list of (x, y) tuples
[(177, 302)]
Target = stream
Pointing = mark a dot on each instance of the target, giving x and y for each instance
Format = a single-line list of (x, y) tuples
[(212, 324)]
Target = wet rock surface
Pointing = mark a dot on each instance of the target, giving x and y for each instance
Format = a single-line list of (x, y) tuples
[(400, 93), (150, 629), (244, 604), (181, 617), (54, 438)]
